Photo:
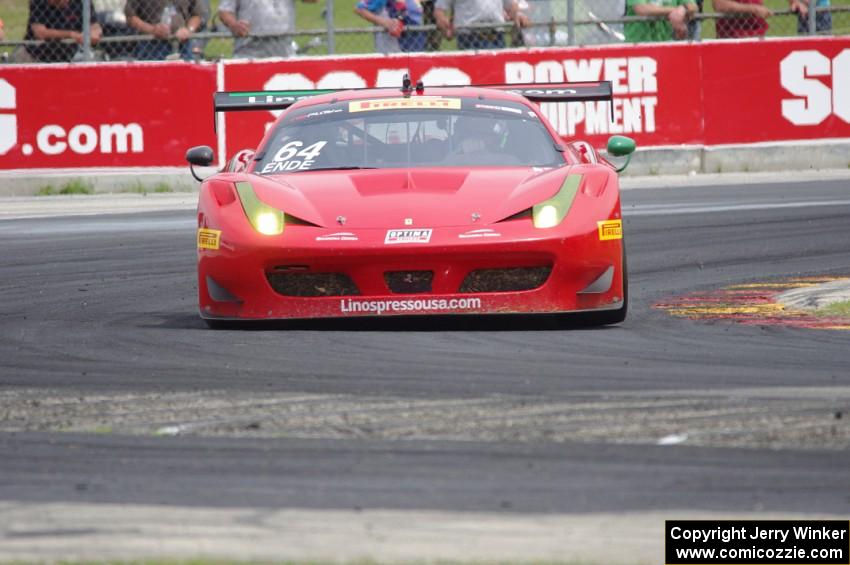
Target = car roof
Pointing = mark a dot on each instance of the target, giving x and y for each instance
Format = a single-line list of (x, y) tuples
[(455, 91)]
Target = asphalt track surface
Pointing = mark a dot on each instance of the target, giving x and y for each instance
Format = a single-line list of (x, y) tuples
[(105, 305)]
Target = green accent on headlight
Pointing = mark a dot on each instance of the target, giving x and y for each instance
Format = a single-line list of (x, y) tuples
[(265, 219), (552, 212)]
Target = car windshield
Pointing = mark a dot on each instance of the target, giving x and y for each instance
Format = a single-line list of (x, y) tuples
[(420, 131)]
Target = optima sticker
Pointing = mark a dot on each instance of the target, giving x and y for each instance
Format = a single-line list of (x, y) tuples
[(426, 102), (407, 236), (209, 239), (610, 229)]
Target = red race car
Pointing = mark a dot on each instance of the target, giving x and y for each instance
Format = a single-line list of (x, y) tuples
[(410, 201)]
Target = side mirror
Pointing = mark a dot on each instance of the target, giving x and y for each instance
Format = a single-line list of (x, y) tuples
[(201, 156), (621, 146)]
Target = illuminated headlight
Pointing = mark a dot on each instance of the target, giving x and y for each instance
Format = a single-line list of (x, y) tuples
[(269, 223), (546, 217), (552, 212), (264, 218)]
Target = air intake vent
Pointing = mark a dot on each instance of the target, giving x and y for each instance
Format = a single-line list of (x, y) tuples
[(409, 282), (312, 284), (505, 280)]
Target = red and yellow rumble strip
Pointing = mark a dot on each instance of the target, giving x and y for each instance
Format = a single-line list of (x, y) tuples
[(754, 304)]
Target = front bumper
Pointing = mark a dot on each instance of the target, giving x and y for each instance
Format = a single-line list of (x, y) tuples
[(243, 261)]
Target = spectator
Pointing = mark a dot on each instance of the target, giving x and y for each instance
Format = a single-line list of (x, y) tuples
[(2, 31), (433, 38), (246, 17), (747, 18), (164, 19), (541, 30), (671, 21), (394, 16), (695, 25), (113, 22), (823, 20), (471, 12), (52, 21)]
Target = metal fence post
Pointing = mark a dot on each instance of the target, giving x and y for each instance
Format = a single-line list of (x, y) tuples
[(571, 26), (813, 26), (329, 23), (87, 56)]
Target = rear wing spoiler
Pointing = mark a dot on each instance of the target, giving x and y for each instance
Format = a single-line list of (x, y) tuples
[(564, 92), (263, 100), (544, 92), (561, 91)]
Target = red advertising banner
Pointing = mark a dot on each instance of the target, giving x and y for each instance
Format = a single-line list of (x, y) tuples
[(657, 89), (104, 115), (711, 93), (774, 90)]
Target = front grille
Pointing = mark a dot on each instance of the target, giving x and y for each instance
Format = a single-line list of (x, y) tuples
[(409, 282), (505, 280), (312, 284)]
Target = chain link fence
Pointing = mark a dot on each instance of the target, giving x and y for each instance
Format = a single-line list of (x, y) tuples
[(82, 30)]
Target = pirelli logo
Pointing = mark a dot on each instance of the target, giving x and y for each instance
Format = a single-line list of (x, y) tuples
[(610, 229), (208, 239), (404, 103)]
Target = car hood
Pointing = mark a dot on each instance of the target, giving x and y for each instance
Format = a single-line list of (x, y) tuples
[(409, 197)]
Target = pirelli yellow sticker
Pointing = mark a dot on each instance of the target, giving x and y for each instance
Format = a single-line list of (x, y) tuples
[(434, 102), (208, 239), (610, 229)]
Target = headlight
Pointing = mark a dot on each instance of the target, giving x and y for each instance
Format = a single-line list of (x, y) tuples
[(265, 219), (546, 216), (552, 212), (269, 223)]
